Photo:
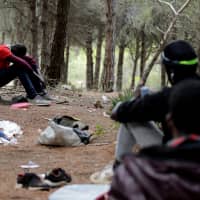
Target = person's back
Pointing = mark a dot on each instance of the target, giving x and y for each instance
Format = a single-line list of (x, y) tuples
[(136, 116), (166, 172)]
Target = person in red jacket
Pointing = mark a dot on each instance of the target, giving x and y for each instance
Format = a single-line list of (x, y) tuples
[(12, 67), (20, 50)]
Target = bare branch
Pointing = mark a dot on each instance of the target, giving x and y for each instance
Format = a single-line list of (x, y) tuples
[(162, 44), (170, 5), (160, 30), (183, 6), (174, 20)]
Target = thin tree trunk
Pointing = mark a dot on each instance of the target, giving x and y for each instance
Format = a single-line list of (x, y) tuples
[(163, 77), (143, 53), (19, 34), (3, 37), (108, 71), (135, 63), (59, 42), (34, 28), (89, 70), (45, 43), (98, 57), (66, 68), (120, 67)]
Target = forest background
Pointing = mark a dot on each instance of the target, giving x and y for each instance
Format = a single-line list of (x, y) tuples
[(101, 45)]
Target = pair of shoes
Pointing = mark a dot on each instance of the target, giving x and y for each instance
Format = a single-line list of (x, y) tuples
[(31, 181), (39, 101), (57, 177)]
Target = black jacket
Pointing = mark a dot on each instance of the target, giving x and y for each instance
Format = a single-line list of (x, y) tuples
[(151, 107)]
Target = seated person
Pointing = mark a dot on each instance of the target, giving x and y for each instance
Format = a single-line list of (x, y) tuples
[(137, 116), (11, 67), (20, 50), (171, 171)]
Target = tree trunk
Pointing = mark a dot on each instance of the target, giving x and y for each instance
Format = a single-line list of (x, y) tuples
[(59, 41), (120, 66), (19, 29), (3, 37), (98, 57), (89, 70), (34, 28), (163, 77), (108, 71), (66, 68), (137, 50), (45, 44), (143, 53)]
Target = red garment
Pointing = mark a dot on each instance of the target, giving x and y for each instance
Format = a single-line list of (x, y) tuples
[(4, 54), (180, 140)]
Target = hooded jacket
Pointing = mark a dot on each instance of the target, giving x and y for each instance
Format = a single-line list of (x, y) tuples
[(159, 173)]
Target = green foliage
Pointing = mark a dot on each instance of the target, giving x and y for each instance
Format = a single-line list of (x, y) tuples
[(99, 130), (126, 95), (116, 125)]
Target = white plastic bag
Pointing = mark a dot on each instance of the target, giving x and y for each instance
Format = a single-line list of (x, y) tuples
[(58, 135)]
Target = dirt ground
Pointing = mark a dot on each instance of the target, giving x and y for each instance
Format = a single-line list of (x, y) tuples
[(79, 162)]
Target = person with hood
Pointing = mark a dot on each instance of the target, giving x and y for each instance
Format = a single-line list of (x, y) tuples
[(138, 116), (170, 171), (11, 67)]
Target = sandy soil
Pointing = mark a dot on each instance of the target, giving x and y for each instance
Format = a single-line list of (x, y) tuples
[(80, 162)]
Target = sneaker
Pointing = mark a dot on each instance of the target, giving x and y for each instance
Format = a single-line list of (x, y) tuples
[(39, 101), (31, 181), (48, 97), (57, 177)]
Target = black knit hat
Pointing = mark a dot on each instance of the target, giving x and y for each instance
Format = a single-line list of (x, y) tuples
[(18, 50), (180, 60)]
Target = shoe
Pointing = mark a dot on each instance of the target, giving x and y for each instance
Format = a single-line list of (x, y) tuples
[(39, 101), (57, 177), (46, 97), (31, 181)]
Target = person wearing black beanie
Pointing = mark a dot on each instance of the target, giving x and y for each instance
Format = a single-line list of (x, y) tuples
[(179, 60), (138, 116)]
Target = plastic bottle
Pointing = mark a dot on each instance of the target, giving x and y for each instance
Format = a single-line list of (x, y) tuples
[(144, 91)]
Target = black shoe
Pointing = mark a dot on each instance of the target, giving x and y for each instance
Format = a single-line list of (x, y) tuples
[(57, 177), (31, 181)]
